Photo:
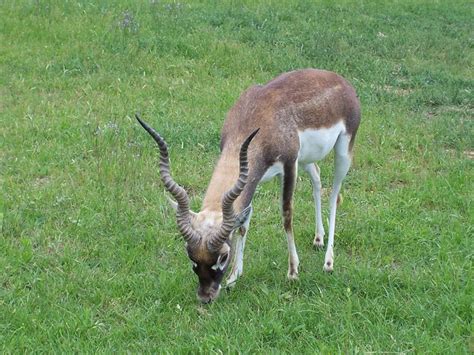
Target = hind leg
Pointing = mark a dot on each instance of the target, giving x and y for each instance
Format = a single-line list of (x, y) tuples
[(342, 162), (313, 172)]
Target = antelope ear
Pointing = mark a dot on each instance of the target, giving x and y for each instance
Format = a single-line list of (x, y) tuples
[(174, 204), (242, 217)]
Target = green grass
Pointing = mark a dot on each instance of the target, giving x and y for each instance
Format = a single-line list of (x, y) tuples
[(90, 257)]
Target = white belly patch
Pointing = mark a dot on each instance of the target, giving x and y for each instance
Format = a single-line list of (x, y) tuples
[(274, 170), (315, 144)]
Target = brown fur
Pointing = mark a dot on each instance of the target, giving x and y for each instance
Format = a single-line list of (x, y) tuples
[(293, 101), (289, 181)]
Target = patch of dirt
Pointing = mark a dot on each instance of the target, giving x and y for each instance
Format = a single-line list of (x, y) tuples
[(469, 154), (398, 184), (55, 248), (457, 109), (462, 111), (41, 181), (397, 91)]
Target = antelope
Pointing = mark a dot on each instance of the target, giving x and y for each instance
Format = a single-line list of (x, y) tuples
[(292, 121)]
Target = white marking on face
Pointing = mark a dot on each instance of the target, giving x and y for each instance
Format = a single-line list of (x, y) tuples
[(315, 144), (207, 219), (221, 261), (272, 171)]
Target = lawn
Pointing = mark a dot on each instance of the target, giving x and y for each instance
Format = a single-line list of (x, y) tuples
[(90, 256)]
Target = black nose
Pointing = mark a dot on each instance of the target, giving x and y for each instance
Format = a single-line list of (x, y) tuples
[(205, 300), (207, 294), (204, 297)]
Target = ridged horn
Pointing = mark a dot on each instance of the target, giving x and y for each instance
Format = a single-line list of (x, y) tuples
[(228, 214), (183, 214)]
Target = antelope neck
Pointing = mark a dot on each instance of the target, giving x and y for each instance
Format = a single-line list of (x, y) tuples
[(223, 178)]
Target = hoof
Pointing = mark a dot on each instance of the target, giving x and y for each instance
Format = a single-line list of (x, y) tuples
[(292, 272), (230, 284), (328, 266), (292, 276), (318, 241), (231, 281), (229, 287)]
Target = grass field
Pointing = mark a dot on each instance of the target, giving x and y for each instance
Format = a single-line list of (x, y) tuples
[(90, 257)]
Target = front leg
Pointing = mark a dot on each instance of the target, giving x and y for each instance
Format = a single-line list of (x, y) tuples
[(313, 172), (237, 269), (289, 182)]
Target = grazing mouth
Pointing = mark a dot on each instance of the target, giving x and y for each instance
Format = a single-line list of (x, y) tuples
[(211, 296)]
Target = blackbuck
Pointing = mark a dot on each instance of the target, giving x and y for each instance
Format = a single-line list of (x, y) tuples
[(294, 120)]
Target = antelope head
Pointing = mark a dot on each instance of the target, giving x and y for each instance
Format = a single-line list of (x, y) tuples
[(206, 234)]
